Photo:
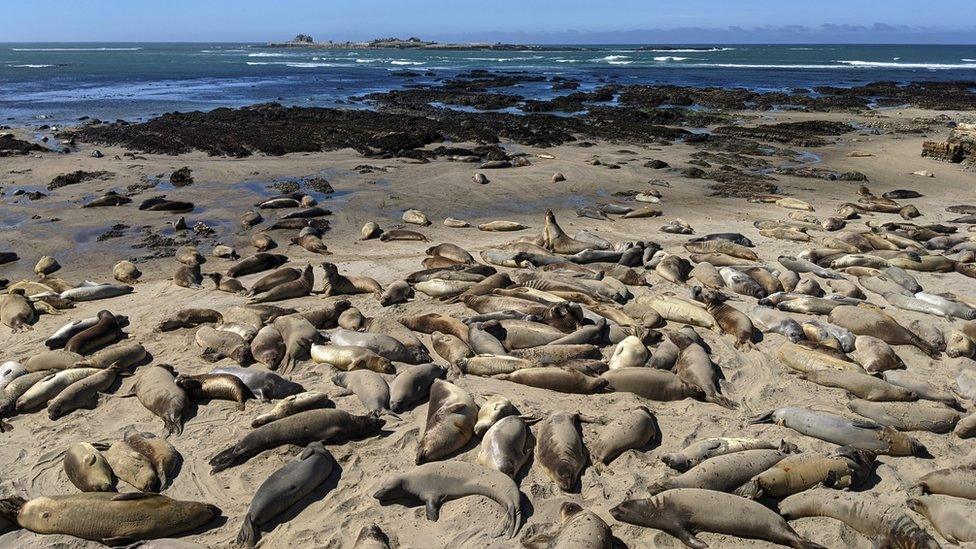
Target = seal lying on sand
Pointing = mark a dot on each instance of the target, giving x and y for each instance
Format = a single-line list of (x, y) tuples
[(436, 483), (686, 511)]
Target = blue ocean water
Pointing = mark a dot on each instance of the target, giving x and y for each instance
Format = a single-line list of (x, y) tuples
[(59, 83)]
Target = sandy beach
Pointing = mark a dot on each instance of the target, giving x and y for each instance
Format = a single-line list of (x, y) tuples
[(380, 189)]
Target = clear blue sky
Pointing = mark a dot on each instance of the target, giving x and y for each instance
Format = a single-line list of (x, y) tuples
[(593, 21)]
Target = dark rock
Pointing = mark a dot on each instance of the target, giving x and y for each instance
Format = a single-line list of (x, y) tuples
[(76, 177), (10, 146), (318, 184), (960, 146), (181, 177), (656, 164), (809, 133), (693, 173)]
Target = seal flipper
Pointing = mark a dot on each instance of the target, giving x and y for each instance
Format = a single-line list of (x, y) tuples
[(248, 535), (763, 418), (10, 508), (689, 539), (118, 541), (538, 536), (434, 508)]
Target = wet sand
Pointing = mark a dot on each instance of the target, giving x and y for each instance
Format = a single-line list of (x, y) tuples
[(224, 188)]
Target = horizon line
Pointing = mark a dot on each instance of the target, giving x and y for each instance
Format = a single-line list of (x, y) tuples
[(973, 44)]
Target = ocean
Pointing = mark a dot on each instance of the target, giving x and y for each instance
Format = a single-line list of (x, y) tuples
[(59, 83)]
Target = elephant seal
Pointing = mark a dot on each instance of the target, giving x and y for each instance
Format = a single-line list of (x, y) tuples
[(262, 242), (370, 230), (124, 355), (84, 392), (312, 243), (59, 338), (554, 378), (302, 286), (188, 276), (404, 235), (948, 515), (50, 387), (885, 525), (436, 322), (492, 411), (696, 367), (381, 344), (506, 446), (436, 483), (105, 332), (451, 415), (685, 511), (46, 265), (712, 447), (215, 387), (723, 473), (90, 291), (263, 383), (629, 353), (268, 347), (189, 255), (293, 404), (413, 385), (775, 321), (741, 283), (156, 389), (398, 292), (256, 263), (958, 481), (844, 468), (908, 416), (189, 318), (450, 251), (873, 322), (860, 385), (298, 335), (351, 357), (16, 311), (556, 240), (109, 518), (87, 468), (875, 356), (337, 284), (132, 467), (861, 434), (126, 272), (731, 320), (274, 279), (16, 388), (559, 449), (10, 371), (450, 348), (371, 389), (160, 453), (227, 284), (284, 488), (52, 360), (327, 425), (482, 341), (218, 344), (577, 528), (629, 431), (652, 384)]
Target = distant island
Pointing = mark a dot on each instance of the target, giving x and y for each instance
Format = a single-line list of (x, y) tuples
[(413, 43)]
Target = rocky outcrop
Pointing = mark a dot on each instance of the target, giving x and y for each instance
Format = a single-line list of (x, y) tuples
[(11, 146), (960, 147)]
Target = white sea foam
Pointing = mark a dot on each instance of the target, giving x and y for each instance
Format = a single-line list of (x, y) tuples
[(399, 62), (610, 58), (969, 60), (75, 49), (888, 65), (268, 54), (670, 58), (299, 65), (32, 66), (689, 50)]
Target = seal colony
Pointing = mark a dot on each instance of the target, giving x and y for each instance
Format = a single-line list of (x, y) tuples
[(798, 375)]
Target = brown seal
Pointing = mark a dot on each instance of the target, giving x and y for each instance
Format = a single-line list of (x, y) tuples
[(299, 287), (215, 386), (105, 332), (163, 456), (451, 415), (87, 468), (156, 389), (188, 318), (337, 284)]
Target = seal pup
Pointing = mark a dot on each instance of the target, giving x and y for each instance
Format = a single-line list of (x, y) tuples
[(217, 344), (268, 347), (273, 279), (685, 511), (263, 383), (38, 395), (843, 468), (413, 385), (10, 371), (215, 387), (923, 415), (506, 446), (731, 320), (87, 468), (155, 387), (397, 292), (873, 322), (351, 357), (403, 235), (16, 312), (451, 415), (293, 404), (885, 525), (328, 425), (652, 384), (558, 241), (16, 388), (284, 488), (436, 483), (559, 449), (696, 367), (723, 473), (188, 276), (493, 410), (256, 263), (957, 481), (84, 392), (160, 453), (947, 515), (577, 527), (132, 467), (59, 359), (45, 266), (109, 518), (189, 318), (337, 284), (554, 378)]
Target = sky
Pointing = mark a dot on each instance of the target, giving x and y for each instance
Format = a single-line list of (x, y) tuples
[(522, 21)]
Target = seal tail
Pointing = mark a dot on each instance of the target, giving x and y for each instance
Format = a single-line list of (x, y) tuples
[(762, 418), (10, 508), (248, 535)]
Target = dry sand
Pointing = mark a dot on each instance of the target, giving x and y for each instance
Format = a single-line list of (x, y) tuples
[(332, 516)]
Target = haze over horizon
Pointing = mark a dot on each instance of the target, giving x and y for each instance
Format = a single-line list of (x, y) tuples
[(544, 22)]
